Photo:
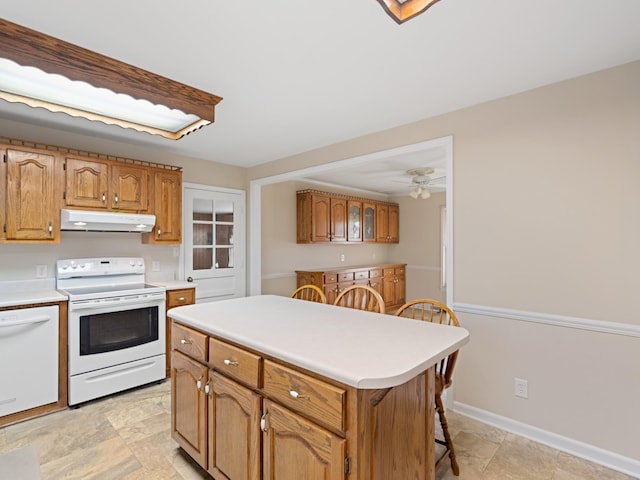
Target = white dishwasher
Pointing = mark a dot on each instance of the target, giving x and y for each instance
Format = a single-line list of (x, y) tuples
[(28, 358)]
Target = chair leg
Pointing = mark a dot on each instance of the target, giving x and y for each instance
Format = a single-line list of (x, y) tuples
[(447, 435)]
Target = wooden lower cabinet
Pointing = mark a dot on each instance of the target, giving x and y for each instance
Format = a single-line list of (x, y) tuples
[(176, 298), (189, 406), (388, 279), (295, 448), (245, 416), (234, 430)]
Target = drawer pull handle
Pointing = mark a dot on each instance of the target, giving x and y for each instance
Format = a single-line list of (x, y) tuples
[(186, 342), (230, 363), (295, 394), (181, 299)]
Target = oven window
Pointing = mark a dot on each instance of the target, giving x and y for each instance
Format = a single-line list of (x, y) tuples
[(106, 332)]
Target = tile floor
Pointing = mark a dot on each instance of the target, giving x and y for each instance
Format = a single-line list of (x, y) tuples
[(126, 436)]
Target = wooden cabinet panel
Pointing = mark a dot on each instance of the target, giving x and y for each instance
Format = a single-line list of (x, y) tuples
[(189, 342), (368, 222), (167, 207), (393, 228), (189, 406), (295, 448), (129, 187), (354, 223), (313, 398), (234, 430), (31, 210), (176, 298), (86, 183), (235, 362), (382, 223)]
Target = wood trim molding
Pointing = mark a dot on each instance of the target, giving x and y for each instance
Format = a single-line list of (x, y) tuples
[(29, 47)]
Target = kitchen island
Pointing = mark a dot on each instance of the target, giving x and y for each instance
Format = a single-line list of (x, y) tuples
[(277, 388)]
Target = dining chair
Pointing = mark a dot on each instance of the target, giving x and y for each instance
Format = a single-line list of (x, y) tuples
[(433, 311), (310, 293), (361, 297)]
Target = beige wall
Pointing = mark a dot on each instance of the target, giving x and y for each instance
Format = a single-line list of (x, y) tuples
[(545, 222)]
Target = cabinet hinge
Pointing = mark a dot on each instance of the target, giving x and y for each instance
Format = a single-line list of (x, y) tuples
[(64, 166), (4, 228), (347, 465), (4, 157), (64, 195)]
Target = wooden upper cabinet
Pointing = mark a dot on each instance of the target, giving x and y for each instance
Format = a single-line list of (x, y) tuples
[(324, 217), (387, 223), (31, 211), (106, 185), (368, 222), (167, 201), (354, 222), (86, 183), (129, 187), (393, 227)]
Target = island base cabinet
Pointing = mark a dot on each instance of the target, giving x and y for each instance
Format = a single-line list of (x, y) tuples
[(189, 406), (397, 431), (234, 430), (295, 448)]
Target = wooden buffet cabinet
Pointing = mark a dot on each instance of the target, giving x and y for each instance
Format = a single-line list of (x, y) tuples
[(246, 410), (324, 217), (39, 180), (388, 279)]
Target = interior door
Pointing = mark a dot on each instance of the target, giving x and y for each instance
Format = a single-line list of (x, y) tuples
[(214, 240)]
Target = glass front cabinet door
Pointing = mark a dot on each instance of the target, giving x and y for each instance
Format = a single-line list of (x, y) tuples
[(355, 221)]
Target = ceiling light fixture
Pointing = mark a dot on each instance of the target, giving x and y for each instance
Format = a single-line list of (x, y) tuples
[(403, 10), (420, 192), (42, 71)]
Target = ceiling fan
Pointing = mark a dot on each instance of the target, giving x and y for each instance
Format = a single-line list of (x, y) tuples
[(420, 180)]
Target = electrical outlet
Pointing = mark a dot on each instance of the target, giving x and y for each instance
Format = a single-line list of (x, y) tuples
[(41, 271), (155, 266), (342, 257), (521, 388)]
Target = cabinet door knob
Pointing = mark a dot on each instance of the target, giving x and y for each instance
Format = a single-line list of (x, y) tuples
[(104, 197), (159, 232), (207, 389), (50, 228), (189, 279), (230, 363), (115, 198), (199, 384)]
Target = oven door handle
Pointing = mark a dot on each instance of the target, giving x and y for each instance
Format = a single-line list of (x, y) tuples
[(139, 300)]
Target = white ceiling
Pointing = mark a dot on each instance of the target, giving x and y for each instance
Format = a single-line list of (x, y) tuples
[(298, 75)]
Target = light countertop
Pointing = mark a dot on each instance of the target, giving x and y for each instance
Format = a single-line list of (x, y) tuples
[(361, 349), (28, 292)]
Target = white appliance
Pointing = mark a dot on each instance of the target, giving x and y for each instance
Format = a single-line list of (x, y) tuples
[(94, 221), (116, 326), (28, 358)]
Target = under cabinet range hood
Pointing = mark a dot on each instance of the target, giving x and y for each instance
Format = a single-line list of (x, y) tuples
[(93, 221)]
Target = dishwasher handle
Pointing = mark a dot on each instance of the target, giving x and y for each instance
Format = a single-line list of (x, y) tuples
[(24, 321)]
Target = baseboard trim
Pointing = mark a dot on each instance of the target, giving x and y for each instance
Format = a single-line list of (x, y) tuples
[(615, 461), (616, 328)]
